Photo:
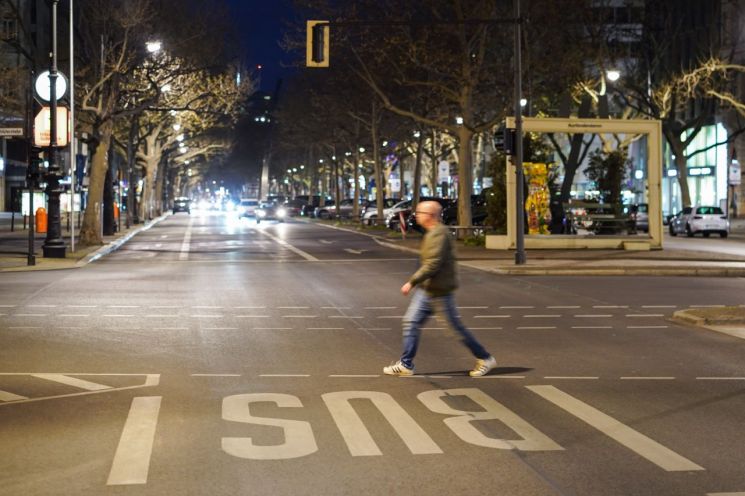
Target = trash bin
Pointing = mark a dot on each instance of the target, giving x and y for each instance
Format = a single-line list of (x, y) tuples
[(41, 220)]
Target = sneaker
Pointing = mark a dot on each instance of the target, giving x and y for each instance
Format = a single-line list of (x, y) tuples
[(399, 369), (483, 367)]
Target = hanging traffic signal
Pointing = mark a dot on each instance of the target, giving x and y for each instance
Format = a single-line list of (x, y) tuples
[(317, 44)]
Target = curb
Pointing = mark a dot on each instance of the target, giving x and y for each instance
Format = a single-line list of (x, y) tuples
[(686, 316), (116, 244)]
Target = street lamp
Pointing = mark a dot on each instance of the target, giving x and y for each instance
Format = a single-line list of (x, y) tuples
[(613, 75), (153, 46)]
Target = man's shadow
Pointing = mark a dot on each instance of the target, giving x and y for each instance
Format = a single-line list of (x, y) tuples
[(495, 371)]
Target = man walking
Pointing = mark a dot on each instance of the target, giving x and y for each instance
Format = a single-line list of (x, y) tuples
[(433, 286)]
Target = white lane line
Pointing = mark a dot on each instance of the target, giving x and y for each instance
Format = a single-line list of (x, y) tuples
[(203, 307), (171, 328), (492, 316), (610, 306), (73, 315), (593, 316), (375, 329), (647, 378), (346, 317), (500, 377), (637, 442), (380, 308), (517, 307), (252, 316), (41, 306), (287, 245), (535, 328), (220, 328), (354, 375), (325, 241), (6, 396), (592, 327), (159, 316), (165, 306), (707, 306), (485, 328), (24, 327), (132, 459), (299, 316), (81, 306), (659, 306), (549, 316), (284, 375), (570, 377), (293, 308), (353, 252), (72, 381), (117, 315), (556, 307), (184, 255), (123, 306), (335, 308), (645, 315), (272, 328), (647, 327), (30, 315), (199, 316), (216, 375), (439, 376), (249, 308), (325, 328), (472, 308), (721, 378)]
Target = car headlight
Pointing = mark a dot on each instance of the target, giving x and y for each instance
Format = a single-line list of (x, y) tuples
[(281, 212), (261, 213)]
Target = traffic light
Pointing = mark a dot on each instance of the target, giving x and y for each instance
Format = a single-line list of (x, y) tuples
[(317, 44), (504, 140)]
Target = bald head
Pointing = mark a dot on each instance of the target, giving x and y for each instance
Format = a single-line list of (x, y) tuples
[(428, 214)]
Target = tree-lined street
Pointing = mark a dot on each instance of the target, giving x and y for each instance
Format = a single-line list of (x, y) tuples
[(215, 355)]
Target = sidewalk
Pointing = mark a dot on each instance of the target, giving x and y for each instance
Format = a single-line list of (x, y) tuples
[(14, 247)]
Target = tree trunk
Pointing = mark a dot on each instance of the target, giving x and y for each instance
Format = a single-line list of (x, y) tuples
[(681, 164), (465, 176), (418, 170), (433, 172), (148, 189), (379, 186), (90, 232), (108, 198), (356, 181), (160, 181)]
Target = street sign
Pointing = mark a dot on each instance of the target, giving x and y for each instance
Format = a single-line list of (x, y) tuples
[(42, 127), (43, 86), (11, 131), (734, 173), (443, 171)]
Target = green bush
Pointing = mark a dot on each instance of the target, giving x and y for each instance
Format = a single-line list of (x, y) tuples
[(496, 195)]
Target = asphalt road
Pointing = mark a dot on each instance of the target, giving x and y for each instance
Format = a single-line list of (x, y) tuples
[(216, 356)]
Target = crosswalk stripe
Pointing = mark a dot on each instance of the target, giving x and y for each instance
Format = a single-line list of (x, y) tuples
[(72, 381)]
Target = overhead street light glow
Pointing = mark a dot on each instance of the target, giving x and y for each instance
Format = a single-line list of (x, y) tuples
[(153, 46), (613, 75)]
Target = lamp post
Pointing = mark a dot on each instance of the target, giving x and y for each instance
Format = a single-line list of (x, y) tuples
[(54, 246), (520, 257)]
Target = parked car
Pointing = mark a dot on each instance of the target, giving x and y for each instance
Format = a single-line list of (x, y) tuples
[(393, 215), (310, 203), (370, 213), (182, 204), (270, 211), (322, 212), (344, 211), (640, 215), (703, 219), (478, 211), (247, 207), (445, 203), (294, 207)]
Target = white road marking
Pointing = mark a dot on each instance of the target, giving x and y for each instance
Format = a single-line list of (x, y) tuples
[(24, 327), (592, 327), (325, 329), (535, 328), (165, 306), (556, 307), (346, 317), (390, 316), (6, 396), (647, 378), (41, 306), (644, 315), (164, 236), (550, 316), (74, 315), (376, 329), (81, 306), (647, 327), (659, 306), (592, 316), (252, 316), (492, 316), (30, 315), (471, 308), (299, 316), (272, 328), (325, 242), (500, 377), (249, 308), (184, 255), (354, 252), (203, 307), (220, 328), (726, 494), (72, 381), (707, 306), (123, 306), (293, 308), (216, 375), (132, 459), (158, 245), (336, 308), (485, 328), (439, 376), (117, 315), (287, 245), (380, 308), (284, 375), (517, 307), (171, 328), (206, 316), (610, 306), (160, 316), (637, 442), (354, 375), (570, 377)]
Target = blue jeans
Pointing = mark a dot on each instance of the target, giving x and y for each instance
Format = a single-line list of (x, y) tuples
[(422, 306)]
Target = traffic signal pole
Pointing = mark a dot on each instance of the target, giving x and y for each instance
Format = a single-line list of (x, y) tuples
[(520, 257)]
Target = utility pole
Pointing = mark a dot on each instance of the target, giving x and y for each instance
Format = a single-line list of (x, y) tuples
[(54, 245), (520, 257)]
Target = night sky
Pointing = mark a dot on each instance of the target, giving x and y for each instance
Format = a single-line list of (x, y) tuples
[(260, 24)]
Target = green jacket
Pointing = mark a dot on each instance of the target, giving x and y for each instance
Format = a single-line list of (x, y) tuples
[(437, 270)]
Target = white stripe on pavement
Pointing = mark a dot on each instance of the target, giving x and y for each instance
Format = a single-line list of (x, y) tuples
[(6, 396), (132, 459), (184, 255), (287, 245), (637, 442), (72, 381)]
